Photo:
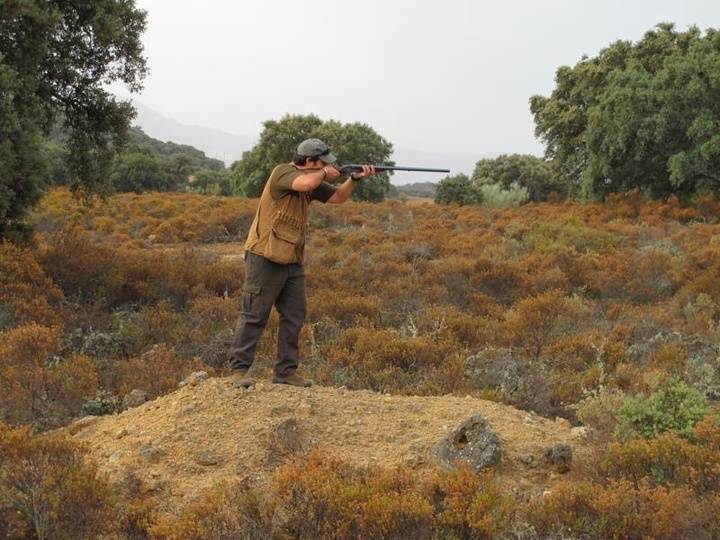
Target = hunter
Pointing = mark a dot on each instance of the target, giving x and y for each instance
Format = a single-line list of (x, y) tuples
[(274, 274)]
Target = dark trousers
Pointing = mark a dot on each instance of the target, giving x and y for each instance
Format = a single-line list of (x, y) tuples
[(267, 284)]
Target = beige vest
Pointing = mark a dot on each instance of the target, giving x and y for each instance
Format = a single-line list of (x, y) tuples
[(278, 230)]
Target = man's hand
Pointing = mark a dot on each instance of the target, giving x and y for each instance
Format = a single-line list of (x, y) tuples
[(331, 173), (368, 170)]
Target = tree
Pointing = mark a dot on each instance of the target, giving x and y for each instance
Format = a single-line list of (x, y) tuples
[(141, 171), (639, 115), (533, 173), (457, 189), (56, 57), (352, 143)]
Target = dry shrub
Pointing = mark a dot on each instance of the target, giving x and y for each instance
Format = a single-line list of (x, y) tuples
[(26, 293), (343, 309), (469, 505), (669, 459), (320, 496), (49, 490), (385, 360), (156, 372), (500, 280), (38, 386), (532, 321), (230, 510), (622, 510)]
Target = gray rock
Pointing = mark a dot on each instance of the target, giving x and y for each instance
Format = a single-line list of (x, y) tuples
[(82, 423), (207, 458), (193, 379), (288, 437), (134, 398), (559, 456), (151, 453), (472, 442)]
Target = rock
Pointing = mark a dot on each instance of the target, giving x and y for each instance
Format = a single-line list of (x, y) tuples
[(580, 432), (82, 423), (207, 458), (134, 398), (150, 452), (559, 456), (193, 379), (472, 442), (286, 438)]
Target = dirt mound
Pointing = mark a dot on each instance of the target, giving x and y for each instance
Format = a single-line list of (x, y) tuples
[(202, 434)]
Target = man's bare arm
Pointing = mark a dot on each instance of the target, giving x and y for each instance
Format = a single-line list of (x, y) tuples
[(312, 179), (343, 192)]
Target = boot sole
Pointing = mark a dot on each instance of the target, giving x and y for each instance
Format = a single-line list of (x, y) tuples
[(283, 381)]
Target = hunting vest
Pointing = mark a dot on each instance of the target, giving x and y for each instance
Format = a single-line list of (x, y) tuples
[(278, 229)]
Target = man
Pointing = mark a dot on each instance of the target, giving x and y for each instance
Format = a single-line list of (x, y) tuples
[(274, 258)]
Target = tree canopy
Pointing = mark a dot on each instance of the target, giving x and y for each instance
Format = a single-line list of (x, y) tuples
[(352, 143), (56, 58), (457, 189), (639, 115)]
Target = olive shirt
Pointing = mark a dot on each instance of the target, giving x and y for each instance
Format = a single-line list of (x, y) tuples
[(281, 184)]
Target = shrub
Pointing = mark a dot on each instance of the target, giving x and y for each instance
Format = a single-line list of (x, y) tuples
[(673, 406), (320, 496), (495, 196), (600, 410), (531, 321), (26, 293), (49, 490), (621, 510), (38, 386), (668, 460)]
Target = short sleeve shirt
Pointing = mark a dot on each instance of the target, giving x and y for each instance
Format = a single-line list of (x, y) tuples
[(281, 184)]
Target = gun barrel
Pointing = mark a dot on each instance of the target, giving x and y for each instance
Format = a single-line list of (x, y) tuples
[(355, 167)]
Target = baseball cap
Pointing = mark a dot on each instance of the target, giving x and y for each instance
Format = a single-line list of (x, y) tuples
[(315, 148)]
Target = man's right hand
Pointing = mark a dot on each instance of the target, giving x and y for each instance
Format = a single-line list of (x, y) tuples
[(331, 172)]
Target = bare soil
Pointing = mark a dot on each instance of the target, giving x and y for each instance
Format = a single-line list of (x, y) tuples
[(199, 435)]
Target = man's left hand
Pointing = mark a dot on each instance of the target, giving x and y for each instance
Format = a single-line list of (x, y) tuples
[(368, 170)]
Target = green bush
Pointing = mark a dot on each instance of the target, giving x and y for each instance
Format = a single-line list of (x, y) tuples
[(495, 196), (673, 406)]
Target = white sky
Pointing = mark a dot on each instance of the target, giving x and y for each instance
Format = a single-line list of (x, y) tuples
[(450, 75)]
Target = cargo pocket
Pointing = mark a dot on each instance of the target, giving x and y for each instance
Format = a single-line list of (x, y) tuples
[(249, 299), (282, 243)]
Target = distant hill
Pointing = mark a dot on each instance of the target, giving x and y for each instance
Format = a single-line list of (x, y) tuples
[(216, 143), (229, 147), (418, 189), (196, 158)]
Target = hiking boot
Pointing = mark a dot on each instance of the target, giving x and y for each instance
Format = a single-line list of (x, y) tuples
[(293, 380), (240, 379)]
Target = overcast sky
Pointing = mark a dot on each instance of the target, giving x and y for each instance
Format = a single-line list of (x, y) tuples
[(450, 75)]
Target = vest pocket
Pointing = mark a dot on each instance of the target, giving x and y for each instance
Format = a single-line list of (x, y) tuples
[(282, 242)]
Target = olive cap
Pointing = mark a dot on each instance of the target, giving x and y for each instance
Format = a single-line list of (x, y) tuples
[(315, 148)]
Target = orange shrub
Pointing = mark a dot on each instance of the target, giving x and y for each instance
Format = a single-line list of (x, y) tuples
[(49, 490), (621, 510), (670, 460), (156, 372), (531, 321), (38, 387), (26, 293)]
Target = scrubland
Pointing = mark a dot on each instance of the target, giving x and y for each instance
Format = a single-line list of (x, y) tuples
[(605, 314)]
